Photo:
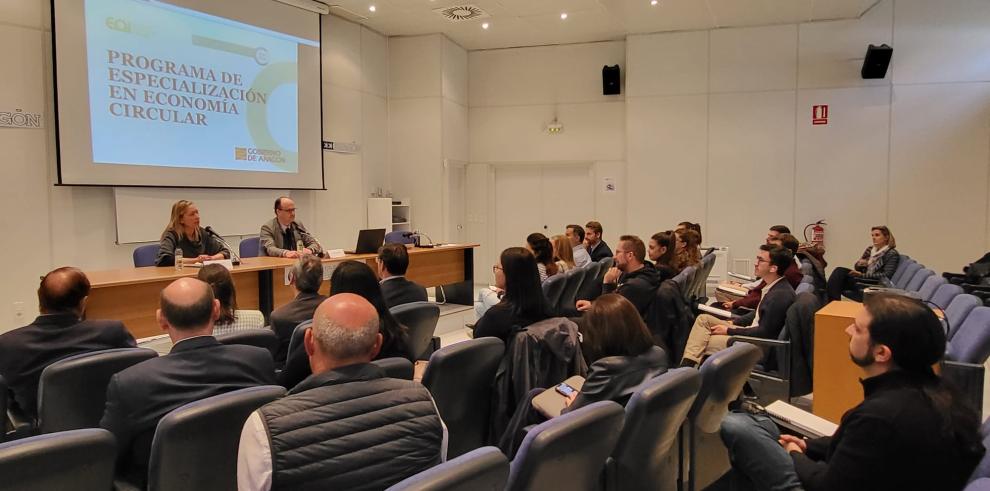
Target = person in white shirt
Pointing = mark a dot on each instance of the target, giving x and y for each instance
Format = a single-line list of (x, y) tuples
[(575, 233)]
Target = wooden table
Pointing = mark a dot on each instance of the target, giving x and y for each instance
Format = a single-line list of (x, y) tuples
[(132, 294), (837, 387)]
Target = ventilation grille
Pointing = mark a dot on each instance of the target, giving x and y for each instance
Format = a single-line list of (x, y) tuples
[(461, 13)]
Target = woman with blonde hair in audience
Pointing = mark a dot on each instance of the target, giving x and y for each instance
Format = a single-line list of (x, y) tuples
[(563, 253), (541, 248), (183, 232), (231, 318), (687, 249), (689, 226), (878, 262)]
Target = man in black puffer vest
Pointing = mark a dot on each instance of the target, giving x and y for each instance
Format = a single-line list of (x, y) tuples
[(347, 426)]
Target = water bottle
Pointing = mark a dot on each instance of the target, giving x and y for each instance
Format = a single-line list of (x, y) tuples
[(178, 259), (299, 246)]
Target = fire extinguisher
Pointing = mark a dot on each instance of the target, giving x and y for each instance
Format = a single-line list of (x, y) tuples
[(817, 233)]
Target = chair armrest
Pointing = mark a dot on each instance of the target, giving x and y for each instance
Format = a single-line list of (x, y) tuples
[(783, 364), (869, 281), (20, 425)]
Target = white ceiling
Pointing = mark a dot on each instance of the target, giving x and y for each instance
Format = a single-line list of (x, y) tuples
[(537, 22)]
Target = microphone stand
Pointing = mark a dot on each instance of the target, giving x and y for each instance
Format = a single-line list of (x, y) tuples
[(235, 258), (304, 232)]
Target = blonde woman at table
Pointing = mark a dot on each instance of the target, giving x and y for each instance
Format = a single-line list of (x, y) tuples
[(183, 232)]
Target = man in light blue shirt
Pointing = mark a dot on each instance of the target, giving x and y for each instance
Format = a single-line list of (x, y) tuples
[(575, 234)]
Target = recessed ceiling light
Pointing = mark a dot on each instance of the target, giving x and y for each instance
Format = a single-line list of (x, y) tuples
[(372, 8), (654, 2), (563, 16), (484, 25)]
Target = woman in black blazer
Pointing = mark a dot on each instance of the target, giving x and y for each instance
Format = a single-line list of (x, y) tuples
[(878, 262)]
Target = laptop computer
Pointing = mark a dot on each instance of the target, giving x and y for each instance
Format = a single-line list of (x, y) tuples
[(369, 240)]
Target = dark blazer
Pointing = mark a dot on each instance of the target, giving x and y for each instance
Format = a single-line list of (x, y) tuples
[(285, 319), (773, 312), (600, 251), (398, 290), (26, 351), (196, 368), (616, 378)]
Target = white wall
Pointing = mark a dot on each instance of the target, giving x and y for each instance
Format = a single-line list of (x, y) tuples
[(57, 226), (729, 112)]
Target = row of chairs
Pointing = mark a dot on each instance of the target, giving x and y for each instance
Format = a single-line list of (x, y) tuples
[(584, 283), (195, 446)]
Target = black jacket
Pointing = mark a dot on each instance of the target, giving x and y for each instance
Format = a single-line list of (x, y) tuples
[(639, 287), (285, 319), (773, 313), (891, 440), (670, 319), (601, 251), (616, 378), (196, 368), (352, 428), (26, 351), (500, 322), (398, 290)]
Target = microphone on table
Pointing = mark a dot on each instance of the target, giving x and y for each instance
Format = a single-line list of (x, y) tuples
[(235, 259), (304, 232)]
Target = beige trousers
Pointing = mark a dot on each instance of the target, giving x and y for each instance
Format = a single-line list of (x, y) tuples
[(701, 341)]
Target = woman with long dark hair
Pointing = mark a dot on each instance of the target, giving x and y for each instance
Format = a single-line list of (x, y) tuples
[(523, 302), (662, 248), (542, 249), (358, 278)]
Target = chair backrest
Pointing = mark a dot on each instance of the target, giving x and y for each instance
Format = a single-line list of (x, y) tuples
[(699, 283), (944, 295), (569, 451), (460, 377), (568, 297), (591, 286), (805, 288), (145, 255), (3, 408), (195, 445), (971, 342), (654, 415), (81, 460), (399, 237), (902, 266), (931, 284), (919, 279), (482, 468), (421, 319), (396, 367), (683, 279), (262, 338), (553, 288), (906, 276), (249, 247), (72, 392), (958, 309), (806, 267), (607, 262), (722, 377)]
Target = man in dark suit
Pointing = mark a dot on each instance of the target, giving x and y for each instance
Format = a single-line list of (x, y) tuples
[(597, 248), (57, 333), (710, 334), (306, 277), (393, 261), (197, 367)]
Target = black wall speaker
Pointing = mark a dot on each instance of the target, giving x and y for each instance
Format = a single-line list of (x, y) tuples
[(610, 80), (876, 62)]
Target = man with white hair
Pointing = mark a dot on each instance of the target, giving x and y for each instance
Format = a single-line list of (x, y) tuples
[(347, 426)]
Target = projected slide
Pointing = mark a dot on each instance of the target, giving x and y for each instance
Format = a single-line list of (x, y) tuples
[(173, 87)]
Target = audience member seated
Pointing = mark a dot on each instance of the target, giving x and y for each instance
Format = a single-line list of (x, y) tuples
[(792, 274), (912, 431), (541, 248), (231, 318), (523, 302), (681, 227), (710, 334), (597, 248), (563, 253), (393, 261), (197, 367), (183, 232), (354, 277), (775, 232), (281, 235), (347, 426), (687, 252), (306, 276), (619, 348), (57, 333), (878, 262), (661, 250), (575, 233), (631, 276)]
